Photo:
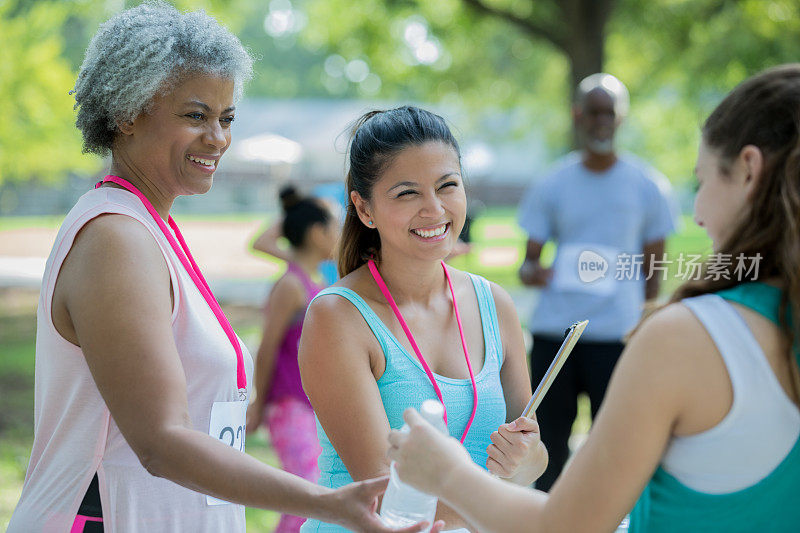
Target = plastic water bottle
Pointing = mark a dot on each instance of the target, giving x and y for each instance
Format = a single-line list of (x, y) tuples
[(403, 505)]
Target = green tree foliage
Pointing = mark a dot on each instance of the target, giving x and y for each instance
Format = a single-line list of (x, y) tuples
[(680, 57), (677, 57), (37, 137), (43, 43)]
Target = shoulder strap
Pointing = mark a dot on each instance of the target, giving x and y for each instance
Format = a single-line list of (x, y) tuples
[(488, 311), (760, 297), (308, 284), (734, 340), (377, 326), (99, 205), (765, 300)]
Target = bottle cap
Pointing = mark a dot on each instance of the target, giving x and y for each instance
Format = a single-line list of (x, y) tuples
[(433, 412)]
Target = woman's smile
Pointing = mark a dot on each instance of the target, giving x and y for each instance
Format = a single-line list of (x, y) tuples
[(205, 163), (432, 233)]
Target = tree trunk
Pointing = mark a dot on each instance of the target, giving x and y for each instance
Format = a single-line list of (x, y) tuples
[(577, 27), (586, 22)]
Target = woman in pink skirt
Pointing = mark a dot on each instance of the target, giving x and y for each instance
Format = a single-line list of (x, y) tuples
[(280, 402)]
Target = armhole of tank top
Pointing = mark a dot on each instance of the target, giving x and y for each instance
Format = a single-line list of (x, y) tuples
[(747, 338), (49, 285), (488, 314), (762, 363), (370, 318), (706, 308)]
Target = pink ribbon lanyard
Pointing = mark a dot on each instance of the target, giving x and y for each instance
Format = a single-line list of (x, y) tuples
[(182, 251), (388, 295)]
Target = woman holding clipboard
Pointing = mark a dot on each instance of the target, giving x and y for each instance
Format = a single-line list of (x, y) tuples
[(700, 429), (401, 327)]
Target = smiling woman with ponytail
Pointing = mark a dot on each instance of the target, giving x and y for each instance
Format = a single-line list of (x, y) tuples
[(377, 137), (400, 327)]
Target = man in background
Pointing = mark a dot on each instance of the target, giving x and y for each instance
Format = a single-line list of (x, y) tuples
[(599, 208)]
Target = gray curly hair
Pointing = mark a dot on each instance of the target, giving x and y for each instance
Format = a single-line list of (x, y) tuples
[(144, 51)]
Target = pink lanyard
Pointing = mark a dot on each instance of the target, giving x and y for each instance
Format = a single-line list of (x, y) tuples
[(191, 267), (388, 295)]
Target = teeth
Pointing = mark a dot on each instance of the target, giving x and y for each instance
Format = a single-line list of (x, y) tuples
[(431, 232), (206, 162)]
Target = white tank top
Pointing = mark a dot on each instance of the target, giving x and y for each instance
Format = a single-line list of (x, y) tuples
[(762, 425), (74, 434)]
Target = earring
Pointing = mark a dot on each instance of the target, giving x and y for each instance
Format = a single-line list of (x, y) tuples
[(370, 223)]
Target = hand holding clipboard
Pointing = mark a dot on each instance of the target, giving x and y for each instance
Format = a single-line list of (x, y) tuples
[(498, 464), (572, 336)]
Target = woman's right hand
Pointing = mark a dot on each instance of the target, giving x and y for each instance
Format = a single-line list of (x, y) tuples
[(355, 505), (424, 457)]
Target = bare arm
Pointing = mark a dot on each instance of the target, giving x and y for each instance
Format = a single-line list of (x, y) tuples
[(531, 272), (116, 288), (335, 367), (648, 394), (517, 451), (268, 242), (652, 250), (286, 299)]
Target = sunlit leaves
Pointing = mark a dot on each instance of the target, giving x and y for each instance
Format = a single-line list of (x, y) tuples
[(38, 138)]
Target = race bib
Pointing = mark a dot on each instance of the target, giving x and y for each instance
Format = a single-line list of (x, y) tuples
[(586, 268), (228, 424)]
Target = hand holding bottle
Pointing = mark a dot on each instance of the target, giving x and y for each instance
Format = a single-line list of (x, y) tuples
[(425, 458), (353, 506)]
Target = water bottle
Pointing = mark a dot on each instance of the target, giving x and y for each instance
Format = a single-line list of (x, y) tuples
[(403, 505)]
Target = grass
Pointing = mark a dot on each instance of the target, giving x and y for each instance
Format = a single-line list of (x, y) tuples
[(16, 419), (17, 334), (495, 234)]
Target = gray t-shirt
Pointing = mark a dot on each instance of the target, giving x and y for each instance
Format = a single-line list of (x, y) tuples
[(599, 221)]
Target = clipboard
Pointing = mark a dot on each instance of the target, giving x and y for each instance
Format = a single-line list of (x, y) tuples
[(571, 338)]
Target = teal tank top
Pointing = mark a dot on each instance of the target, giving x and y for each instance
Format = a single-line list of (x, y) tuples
[(404, 384), (773, 504)]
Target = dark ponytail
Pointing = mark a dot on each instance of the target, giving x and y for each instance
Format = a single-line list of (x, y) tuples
[(377, 137), (300, 214)]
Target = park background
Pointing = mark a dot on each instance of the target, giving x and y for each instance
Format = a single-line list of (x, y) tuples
[(501, 71)]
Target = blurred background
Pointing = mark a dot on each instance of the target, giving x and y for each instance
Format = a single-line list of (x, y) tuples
[(502, 72)]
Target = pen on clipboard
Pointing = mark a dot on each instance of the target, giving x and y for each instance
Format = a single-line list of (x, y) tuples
[(571, 338)]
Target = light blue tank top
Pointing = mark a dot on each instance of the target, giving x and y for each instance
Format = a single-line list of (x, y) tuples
[(404, 384)]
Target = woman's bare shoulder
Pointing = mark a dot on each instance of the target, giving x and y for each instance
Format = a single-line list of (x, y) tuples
[(118, 244), (354, 280), (334, 330), (674, 326), (672, 348), (334, 311), (359, 281)]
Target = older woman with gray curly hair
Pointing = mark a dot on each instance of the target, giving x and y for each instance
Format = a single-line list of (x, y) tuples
[(141, 384)]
